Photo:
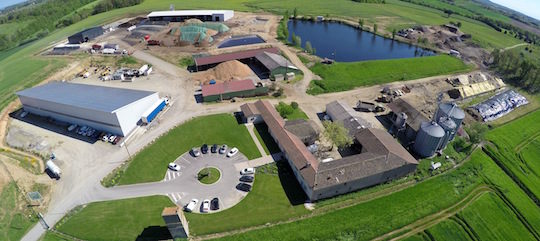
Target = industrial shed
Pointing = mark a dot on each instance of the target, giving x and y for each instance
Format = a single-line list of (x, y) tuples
[(231, 89), (85, 35), (113, 110), (406, 119), (207, 62), (381, 159), (342, 113), (276, 64), (182, 15)]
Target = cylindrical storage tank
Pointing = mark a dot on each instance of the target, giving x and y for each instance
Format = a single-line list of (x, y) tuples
[(449, 127), (450, 110), (428, 139)]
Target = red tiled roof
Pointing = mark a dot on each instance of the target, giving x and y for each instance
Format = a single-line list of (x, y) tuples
[(215, 59), (227, 87)]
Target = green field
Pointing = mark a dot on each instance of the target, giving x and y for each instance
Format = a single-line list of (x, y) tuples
[(14, 216), (150, 164), (448, 230), (267, 202), (209, 175), (126, 219), (491, 219), (516, 146), (346, 76)]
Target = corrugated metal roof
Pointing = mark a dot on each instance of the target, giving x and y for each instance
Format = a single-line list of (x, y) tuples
[(178, 13), (273, 61), (227, 87), (216, 59), (342, 113), (91, 97), (415, 117)]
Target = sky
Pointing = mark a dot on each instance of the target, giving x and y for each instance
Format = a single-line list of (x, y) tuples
[(5, 3), (528, 7)]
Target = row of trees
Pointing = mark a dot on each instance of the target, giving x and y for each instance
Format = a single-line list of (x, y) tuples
[(517, 69), (37, 21)]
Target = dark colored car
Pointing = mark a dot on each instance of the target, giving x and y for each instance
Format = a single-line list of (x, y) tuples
[(246, 179), (243, 187), (204, 149), (214, 204), (214, 148)]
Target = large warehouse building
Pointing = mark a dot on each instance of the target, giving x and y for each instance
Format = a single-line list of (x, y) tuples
[(85, 35), (182, 15), (113, 110)]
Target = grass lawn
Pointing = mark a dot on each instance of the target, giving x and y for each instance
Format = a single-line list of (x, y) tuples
[(267, 141), (491, 219), (287, 111), (51, 236), (149, 165), (448, 230), (126, 219), (209, 175), (276, 196), (14, 216), (346, 76)]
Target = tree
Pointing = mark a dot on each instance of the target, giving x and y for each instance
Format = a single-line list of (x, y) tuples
[(294, 105), (337, 133), (393, 34), (477, 132), (284, 110), (295, 13), (308, 47), (375, 28), (448, 12), (361, 22)]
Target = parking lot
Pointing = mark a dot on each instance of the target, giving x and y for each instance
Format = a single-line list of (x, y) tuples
[(189, 186)]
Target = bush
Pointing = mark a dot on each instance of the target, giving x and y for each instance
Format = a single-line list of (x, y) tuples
[(294, 105), (284, 109)]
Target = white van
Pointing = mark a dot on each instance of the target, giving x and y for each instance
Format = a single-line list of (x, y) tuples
[(191, 205)]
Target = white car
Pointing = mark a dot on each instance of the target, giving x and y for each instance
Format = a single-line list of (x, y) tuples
[(173, 166), (72, 127), (232, 152), (195, 151), (191, 205), (205, 206), (24, 114), (111, 138), (247, 171), (223, 149)]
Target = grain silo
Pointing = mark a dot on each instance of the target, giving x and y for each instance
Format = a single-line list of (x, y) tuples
[(450, 128), (450, 110), (428, 139)]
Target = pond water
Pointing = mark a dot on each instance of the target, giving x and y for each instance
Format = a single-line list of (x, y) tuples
[(344, 43)]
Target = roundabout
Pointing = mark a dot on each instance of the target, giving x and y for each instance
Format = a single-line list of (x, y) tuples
[(207, 176)]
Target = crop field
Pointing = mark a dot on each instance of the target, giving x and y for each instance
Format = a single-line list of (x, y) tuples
[(517, 148), (14, 221), (346, 76), (127, 219), (150, 164), (491, 219), (448, 230)]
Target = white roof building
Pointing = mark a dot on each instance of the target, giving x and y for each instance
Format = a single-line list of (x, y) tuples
[(181, 15)]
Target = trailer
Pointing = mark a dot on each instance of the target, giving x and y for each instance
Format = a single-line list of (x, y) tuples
[(108, 51), (369, 107), (53, 168), (152, 112)]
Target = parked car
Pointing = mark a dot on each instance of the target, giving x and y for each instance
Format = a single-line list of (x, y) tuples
[(195, 152), (204, 149), (214, 204), (173, 166), (106, 137), (232, 152), (111, 138), (223, 149), (205, 206), (247, 171), (246, 179), (24, 114), (116, 140), (214, 148), (191, 205), (71, 127), (244, 187)]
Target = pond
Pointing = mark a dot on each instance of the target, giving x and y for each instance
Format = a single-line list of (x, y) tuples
[(345, 43)]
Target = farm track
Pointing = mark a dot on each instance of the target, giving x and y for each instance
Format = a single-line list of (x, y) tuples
[(431, 220)]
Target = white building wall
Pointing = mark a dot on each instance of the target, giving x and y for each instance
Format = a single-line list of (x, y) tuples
[(129, 115)]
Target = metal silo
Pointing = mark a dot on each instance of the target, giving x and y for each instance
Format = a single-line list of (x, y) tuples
[(449, 127), (428, 139), (450, 110)]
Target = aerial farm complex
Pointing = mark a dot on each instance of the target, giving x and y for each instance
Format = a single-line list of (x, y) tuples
[(198, 124)]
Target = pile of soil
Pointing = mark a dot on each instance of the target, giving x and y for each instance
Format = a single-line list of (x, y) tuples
[(226, 71)]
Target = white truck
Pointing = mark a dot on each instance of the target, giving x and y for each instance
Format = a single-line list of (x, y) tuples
[(53, 168)]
